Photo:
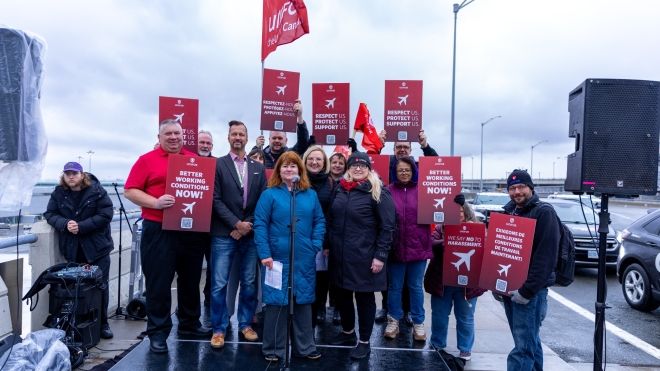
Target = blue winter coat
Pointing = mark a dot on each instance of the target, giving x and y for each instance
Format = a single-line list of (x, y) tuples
[(271, 235)]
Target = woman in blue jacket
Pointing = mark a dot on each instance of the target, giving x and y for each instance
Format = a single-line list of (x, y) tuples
[(272, 220)]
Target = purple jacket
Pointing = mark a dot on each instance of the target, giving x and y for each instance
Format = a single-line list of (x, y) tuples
[(412, 241)]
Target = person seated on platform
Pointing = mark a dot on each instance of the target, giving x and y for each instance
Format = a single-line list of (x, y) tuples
[(80, 211)]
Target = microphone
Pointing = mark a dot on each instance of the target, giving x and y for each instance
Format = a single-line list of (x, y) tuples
[(295, 179), (114, 184)]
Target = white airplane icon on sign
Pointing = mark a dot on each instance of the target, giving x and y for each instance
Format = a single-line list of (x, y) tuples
[(188, 207), (439, 202), (179, 117), (464, 259), (403, 100), (280, 90), (331, 103), (504, 270)]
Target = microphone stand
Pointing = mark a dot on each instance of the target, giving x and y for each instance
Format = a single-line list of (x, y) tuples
[(122, 213), (292, 244)]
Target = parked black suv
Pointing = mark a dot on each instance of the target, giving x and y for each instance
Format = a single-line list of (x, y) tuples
[(638, 267), (585, 233)]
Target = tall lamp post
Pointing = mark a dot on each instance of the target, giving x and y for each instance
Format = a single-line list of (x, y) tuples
[(90, 153), (457, 7), (481, 156), (531, 163)]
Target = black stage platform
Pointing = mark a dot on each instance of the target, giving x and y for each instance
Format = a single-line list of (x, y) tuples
[(197, 354)]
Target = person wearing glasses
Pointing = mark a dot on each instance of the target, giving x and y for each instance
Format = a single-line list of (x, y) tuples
[(362, 222), (410, 251)]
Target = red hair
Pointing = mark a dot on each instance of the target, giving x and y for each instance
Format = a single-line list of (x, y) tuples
[(289, 157)]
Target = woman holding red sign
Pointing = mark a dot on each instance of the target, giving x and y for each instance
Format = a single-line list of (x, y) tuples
[(464, 300), (361, 221), (410, 251)]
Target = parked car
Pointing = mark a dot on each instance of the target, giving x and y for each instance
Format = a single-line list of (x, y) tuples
[(485, 202), (585, 233), (638, 267), (588, 201)]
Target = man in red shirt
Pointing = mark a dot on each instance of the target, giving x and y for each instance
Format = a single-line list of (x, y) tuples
[(164, 253)]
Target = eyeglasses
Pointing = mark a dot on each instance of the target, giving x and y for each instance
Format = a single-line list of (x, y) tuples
[(402, 147), (359, 166), (403, 171)]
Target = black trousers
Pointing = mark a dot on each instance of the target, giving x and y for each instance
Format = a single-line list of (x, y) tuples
[(163, 254), (366, 310)]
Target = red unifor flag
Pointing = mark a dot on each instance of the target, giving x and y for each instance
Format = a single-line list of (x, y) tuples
[(344, 150), (283, 22), (370, 139)]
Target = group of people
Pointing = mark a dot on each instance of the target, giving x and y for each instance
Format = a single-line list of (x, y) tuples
[(353, 237)]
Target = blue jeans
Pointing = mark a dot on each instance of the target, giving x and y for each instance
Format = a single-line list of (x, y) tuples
[(223, 251), (464, 313), (525, 324), (414, 274)]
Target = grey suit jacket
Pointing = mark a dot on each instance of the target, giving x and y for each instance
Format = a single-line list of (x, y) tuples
[(228, 195)]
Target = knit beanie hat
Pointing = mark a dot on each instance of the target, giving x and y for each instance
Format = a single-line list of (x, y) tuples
[(519, 177)]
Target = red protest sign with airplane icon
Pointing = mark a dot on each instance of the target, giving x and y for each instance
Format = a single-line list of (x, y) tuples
[(439, 181), (507, 252), (463, 253), (186, 112), (403, 110), (330, 112), (279, 93), (190, 179)]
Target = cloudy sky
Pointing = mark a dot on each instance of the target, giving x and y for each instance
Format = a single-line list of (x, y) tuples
[(108, 61)]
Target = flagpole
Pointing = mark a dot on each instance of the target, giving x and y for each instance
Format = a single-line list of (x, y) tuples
[(261, 103)]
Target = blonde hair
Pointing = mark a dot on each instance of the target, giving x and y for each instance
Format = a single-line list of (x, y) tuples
[(374, 179), (326, 161)]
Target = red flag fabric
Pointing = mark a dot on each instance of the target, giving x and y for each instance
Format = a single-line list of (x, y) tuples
[(370, 139), (283, 22)]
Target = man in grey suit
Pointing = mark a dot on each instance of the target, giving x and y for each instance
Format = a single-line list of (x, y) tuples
[(239, 182)]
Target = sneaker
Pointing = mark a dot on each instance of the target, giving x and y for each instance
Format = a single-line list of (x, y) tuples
[(271, 358), (361, 351), (312, 356), (392, 329), (249, 334), (344, 338), (218, 340), (465, 355), (106, 333), (418, 332)]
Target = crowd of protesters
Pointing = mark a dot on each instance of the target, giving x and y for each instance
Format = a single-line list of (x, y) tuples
[(353, 237)]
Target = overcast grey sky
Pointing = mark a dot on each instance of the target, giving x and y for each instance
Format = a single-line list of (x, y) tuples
[(108, 61)]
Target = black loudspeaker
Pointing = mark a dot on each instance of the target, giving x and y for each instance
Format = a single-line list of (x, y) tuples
[(76, 309), (615, 126)]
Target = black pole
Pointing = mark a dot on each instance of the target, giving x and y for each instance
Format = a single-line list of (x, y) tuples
[(601, 293), (122, 213), (292, 245)]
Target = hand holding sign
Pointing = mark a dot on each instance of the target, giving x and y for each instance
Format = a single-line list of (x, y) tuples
[(164, 201)]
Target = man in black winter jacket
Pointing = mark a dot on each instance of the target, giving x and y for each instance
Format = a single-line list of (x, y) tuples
[(526, 307), (80, 211)]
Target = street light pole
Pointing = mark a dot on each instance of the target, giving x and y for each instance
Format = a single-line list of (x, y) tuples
[(457, 7), (481, 156), (531, 163), (90, 153)]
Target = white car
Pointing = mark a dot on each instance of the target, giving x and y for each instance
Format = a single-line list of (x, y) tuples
[(485, 202), (592, 202)]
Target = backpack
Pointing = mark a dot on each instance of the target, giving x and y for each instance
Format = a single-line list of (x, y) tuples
[(565, 267)]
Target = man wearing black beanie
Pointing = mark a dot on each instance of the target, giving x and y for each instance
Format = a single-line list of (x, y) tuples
[(526, 307)]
